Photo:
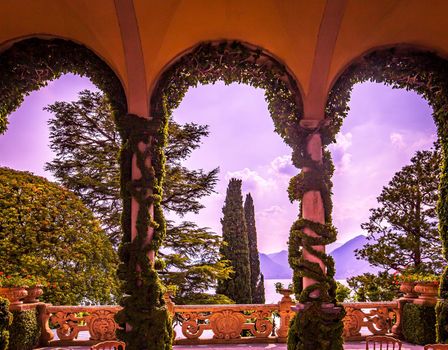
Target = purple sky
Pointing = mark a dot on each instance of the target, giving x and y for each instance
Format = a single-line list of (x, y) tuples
[(383, 130)]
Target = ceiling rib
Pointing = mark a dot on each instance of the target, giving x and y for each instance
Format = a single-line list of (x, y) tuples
[(314, 104), (137, 92)]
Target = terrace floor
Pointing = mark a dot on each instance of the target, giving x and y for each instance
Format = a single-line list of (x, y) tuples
[(347, 346)]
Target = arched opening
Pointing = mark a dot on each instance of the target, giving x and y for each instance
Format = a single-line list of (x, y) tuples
[(426, 74), (241, 142), (28, 66)]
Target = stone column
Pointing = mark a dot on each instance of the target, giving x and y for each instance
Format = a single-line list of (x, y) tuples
[(43, 316), (312, 203), (136, 175), (285, 312)]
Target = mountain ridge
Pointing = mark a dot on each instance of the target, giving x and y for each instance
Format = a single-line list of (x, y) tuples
[(275, 265)]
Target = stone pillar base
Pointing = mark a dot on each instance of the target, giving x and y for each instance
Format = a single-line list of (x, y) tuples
[(327, 308)]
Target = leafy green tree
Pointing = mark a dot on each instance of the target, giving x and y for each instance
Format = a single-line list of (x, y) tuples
[(86, 142), (46, 231), (256, 277), (236, 246), (371, 287), (342, 292), (195, 266), (403, 229)]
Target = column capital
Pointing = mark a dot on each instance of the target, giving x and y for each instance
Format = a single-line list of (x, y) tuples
[(314, 124)]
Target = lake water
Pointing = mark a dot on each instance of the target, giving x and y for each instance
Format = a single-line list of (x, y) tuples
[(271, 295)]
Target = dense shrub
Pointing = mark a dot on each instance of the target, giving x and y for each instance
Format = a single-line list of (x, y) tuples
[(419, 324), (5, 322), (24, 330), (204, 299), (47, 232)]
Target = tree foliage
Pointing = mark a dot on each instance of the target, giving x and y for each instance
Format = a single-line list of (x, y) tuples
[(403, 229), (342, 292), (371, 287), (194, 265), (235, 246), (87, 144), (46, 231), (256, 277)]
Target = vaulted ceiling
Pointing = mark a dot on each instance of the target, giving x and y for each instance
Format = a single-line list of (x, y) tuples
[(315, 39)]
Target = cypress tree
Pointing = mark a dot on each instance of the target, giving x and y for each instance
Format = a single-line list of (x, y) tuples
[(256, 277), (235, 247)]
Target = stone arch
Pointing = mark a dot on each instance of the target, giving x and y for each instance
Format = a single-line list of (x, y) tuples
[(398, 66), (234, 61), (29, 64), (231, 61), (426, 73)]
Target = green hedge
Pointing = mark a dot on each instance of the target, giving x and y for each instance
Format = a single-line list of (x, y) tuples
[(419, 324), (5, 322), (24, 330), (442, 320)]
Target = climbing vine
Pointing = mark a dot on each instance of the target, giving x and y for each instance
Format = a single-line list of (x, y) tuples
[(30, 64), (144, 313), (427, 74), (315, 326)]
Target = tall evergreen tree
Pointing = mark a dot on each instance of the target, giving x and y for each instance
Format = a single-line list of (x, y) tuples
[(235, 247), (403, 229), (87, 143), (256, 277)]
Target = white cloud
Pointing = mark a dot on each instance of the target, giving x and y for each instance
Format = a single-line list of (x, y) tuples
[(252, 181), (282, 165), (397, 140), (344, 163), (425, 142), (273, 210), (341, 157), (344, 141)]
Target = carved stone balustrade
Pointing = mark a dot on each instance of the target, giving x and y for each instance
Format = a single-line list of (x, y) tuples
[(377, 317), (227, 322), (210, 324), (69, 321)]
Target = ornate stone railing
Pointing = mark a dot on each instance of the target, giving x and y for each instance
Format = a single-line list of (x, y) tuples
[(76, 325), (370, 318), (205, 324), (226, 323)]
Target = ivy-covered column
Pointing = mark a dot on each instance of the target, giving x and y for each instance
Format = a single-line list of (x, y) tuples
[(318, 321), (442, 210), (145, 322), (313, 210)]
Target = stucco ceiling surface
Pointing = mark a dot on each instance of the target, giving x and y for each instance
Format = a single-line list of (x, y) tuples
[(289, 29)]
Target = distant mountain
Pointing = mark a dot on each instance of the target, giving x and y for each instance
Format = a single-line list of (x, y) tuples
[(280, 257), (275, 265), (275, 268), (329, 248), (346, 263)]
